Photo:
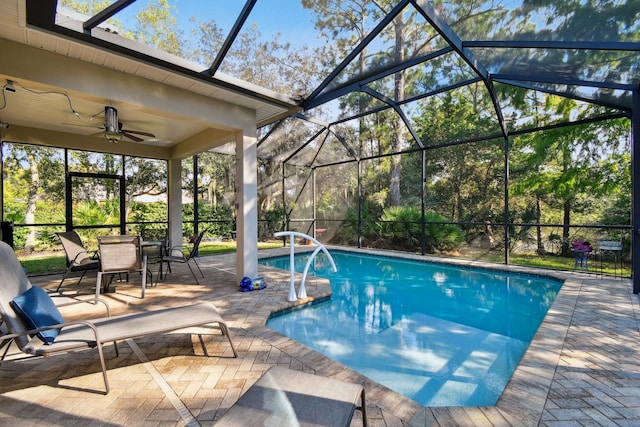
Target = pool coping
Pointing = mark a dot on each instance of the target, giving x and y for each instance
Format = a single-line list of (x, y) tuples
[(523, 400)]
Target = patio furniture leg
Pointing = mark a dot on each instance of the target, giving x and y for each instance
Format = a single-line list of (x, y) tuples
[(197, 265), (104, 366), (98, 284), (193, 273)]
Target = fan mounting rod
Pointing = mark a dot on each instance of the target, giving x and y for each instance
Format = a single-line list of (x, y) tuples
[(111, 127)]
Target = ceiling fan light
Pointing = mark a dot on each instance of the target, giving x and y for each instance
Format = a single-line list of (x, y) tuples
[(112, 136)]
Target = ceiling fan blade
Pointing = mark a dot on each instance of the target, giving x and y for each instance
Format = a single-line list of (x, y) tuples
[(137, 132), (131, 137)]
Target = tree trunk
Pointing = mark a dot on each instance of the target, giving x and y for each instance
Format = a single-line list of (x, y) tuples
[(211, 190), (566, 206), (541, 249), (566, 250), (399, 87), (30, 214)]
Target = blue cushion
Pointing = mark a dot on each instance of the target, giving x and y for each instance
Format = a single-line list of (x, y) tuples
[(37, 310)]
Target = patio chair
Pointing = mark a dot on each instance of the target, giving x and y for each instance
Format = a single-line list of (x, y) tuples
[(121, 254), (177, 254), (78, 258), (155, 245), (37, 327)]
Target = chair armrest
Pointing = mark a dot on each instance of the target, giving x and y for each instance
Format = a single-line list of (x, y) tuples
[(92, 255), (179, 249), (92, 301), (32, 332)]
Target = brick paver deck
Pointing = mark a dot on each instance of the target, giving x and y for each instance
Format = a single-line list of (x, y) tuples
[(582, 368)]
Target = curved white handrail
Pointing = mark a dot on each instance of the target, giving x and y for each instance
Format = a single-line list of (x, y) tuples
[(302, 292)]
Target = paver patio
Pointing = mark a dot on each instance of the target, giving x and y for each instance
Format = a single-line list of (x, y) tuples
[(581, 369)]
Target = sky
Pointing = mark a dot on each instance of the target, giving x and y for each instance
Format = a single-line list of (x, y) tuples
[(272, 16)]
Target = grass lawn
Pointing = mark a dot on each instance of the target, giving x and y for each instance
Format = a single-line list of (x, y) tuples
[(56, 263), (554, 262), (50, 263)]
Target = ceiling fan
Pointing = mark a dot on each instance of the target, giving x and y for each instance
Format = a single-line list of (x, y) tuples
[(113, 130)]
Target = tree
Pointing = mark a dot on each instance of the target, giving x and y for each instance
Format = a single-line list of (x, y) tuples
[(145, 177), (464, 181), (268, 63), (567, 167), (32, 174), (406, 37), (156, 26), (89, 8)]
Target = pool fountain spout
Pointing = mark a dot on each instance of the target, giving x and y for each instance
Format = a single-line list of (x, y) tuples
[(302, 292)]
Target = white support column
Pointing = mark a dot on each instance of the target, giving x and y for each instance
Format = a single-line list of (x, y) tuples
[(246, 206), (175, 201)]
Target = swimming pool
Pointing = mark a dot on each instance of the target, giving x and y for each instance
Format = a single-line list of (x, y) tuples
[(441, 335)]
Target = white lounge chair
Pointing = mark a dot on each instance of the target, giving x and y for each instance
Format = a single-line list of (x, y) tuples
[(39, 319)]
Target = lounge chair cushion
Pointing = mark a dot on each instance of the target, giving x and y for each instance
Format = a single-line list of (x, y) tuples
[(37, 310)]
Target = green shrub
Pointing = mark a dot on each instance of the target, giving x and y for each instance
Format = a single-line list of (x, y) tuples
[(273, 222), (348, 231), (441, 237), (400, 228), (219, 220), (401, 225)]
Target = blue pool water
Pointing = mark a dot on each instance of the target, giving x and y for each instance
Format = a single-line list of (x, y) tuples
[(438, 334)]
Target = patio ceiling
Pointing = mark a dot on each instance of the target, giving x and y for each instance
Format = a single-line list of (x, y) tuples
[(47, 78), (587, 52)]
